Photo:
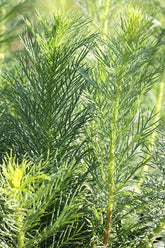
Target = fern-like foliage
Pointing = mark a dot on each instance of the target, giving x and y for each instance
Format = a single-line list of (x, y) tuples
[(124, 73), (66, 196), (44, 90), (39, 209)]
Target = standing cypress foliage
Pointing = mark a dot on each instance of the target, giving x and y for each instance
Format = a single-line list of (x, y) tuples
[(45, 114), (40, 209), (121, 79), (44, 90)]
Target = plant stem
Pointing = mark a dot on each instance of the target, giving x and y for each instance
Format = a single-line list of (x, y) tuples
[(160, 227), (111, 165), (2, 29), (20, 234), (158, 107), (156, 119), (107, 8)]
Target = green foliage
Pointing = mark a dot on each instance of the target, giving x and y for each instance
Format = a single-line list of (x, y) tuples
[(45, 89), (39, 209), (76, 106), (124, 74)]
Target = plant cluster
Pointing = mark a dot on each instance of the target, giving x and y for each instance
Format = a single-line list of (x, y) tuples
[(81, 151)]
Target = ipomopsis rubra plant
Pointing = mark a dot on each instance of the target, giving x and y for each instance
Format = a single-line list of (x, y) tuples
[(125, 73), (45, 111), (39, 209)]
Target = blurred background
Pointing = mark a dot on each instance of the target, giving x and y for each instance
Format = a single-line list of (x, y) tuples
[(12, 13)]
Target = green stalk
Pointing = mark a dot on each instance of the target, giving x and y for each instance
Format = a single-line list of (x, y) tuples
[(156, 119), (20, 239), (111, 165), (158, 107), (2, 29), (48, 124), (161, 226), (107, 8), (20, 234)]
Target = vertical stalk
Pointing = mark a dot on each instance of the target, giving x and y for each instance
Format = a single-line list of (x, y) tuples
[(158, 106), (161, 226), (107, 8), (156, 119), (111, 165), (20, 234), (19, 222), (2, 30)]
